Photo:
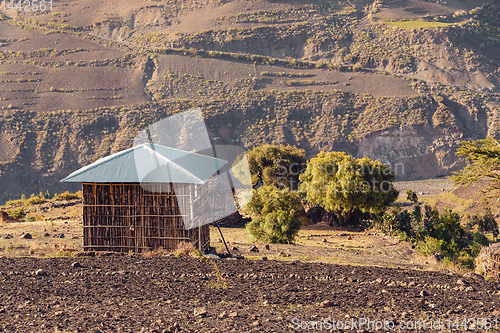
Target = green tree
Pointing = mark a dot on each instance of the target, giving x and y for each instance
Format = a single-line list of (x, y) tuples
[(483, 157), (276, 227), (488, 223), (278, 165), (267, 199), (411, 196), (448, 228), (345, 186), (272, 211)]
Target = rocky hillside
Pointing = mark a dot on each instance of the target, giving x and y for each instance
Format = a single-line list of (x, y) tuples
[(400, 81)]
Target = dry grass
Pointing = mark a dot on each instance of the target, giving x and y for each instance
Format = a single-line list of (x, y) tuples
[(156, 253), (320, 243), (40, 245), (185, 249)]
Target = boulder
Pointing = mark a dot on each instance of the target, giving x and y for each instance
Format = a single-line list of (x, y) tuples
[(488, 262), (4, 217)]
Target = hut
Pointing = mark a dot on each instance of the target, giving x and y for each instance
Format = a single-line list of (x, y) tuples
[(144, 198)]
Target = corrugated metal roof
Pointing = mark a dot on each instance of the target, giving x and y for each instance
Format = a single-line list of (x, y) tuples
[(149, 163)]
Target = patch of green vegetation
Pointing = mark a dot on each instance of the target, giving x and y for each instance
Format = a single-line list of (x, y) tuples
[(16, 214), (68, 196), (443, 235), (281, 16), (417, 24), (152, 37), (35, 200), (272, 212), (60, 14), (16, 202), (286, 74)]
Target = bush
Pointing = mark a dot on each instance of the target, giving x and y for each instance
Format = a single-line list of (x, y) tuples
[(429, 246), (268, 199), (466, 260), (15, 202), (276, 227), (68, 196), (35, 200), (411, 196), (488, 223), (16, 214)]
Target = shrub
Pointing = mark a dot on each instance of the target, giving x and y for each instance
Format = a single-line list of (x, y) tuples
[(185, 249), (276, 227), (68, 196), (15, 202), (488, 223), (466, 260), (411, 196), (16, 214), (268, 199), (35, 200), (429, 246)]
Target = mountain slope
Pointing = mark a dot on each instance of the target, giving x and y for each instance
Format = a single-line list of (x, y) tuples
[(80, 82)]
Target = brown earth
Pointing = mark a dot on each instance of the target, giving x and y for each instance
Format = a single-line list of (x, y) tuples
[(318, 242), (94, 77), (168, 294)]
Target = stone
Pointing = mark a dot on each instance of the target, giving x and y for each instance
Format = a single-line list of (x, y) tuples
[(488, 262), (46, 234), (4, 217), (324, 240), (200, 311), (423, 293), (212, 256), (233, 314), (473, 276), (76, 264), (253, 248), (41, 272), (222, 314), (26, 235), (326, 304)]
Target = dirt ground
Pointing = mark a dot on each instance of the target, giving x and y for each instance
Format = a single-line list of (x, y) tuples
[(328, 274), (169, 294), (59, 226)]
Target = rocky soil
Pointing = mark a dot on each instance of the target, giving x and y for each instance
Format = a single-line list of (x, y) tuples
[(169, 294)]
